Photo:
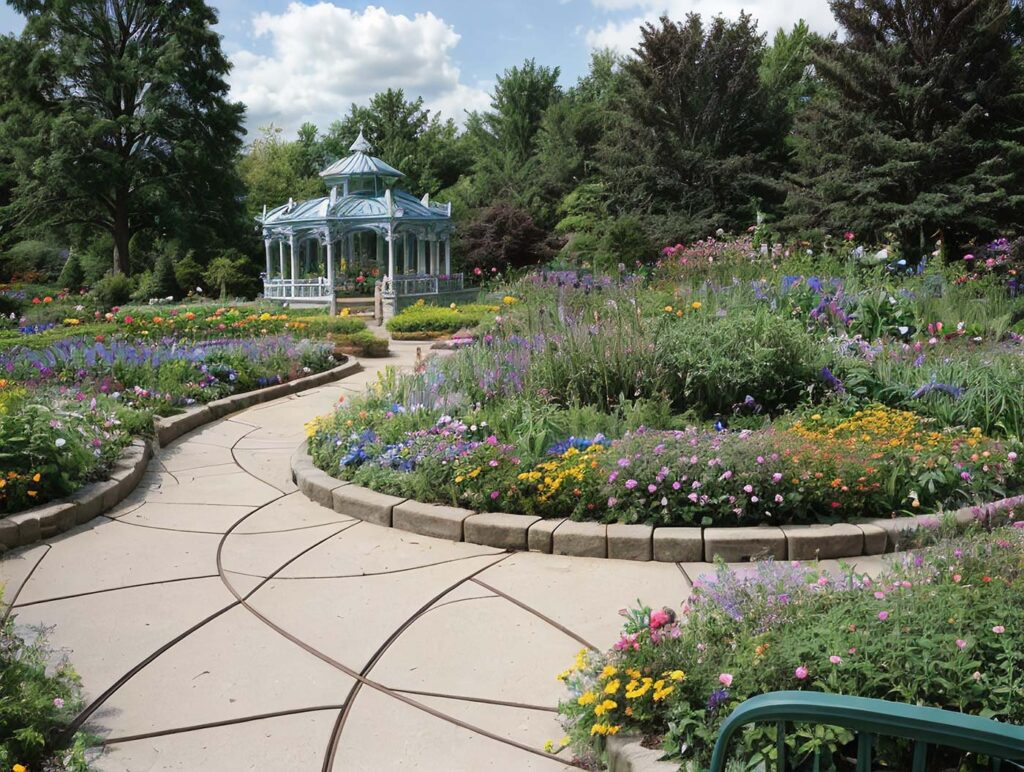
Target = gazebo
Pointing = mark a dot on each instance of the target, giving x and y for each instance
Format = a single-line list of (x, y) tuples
[(363, 229)]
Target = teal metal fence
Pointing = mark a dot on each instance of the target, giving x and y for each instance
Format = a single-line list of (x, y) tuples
[(926, 728)]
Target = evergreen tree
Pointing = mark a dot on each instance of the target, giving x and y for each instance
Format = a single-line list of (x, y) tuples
[(917, 129), (700, 139), (119, 118), (165, 282), (72, 276)]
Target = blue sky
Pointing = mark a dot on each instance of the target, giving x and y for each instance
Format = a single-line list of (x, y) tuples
[(308, 61)]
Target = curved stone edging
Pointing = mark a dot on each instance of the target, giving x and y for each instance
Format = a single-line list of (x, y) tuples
[(92, 500), (627, 754), (616, 540)]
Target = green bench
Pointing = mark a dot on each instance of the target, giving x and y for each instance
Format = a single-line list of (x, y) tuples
[(869, 718)]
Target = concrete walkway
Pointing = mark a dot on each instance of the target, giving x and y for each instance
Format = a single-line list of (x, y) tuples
[(221, 621)]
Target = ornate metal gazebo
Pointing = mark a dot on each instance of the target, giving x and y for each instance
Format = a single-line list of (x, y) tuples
[(365, 227)]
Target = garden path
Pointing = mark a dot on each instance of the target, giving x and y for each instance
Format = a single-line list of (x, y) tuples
[(222, 621)]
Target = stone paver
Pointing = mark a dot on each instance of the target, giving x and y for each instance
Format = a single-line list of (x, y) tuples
[(221, 620)]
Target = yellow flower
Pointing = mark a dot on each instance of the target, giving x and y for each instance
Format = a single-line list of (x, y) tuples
[(19, 768), (614, 729), (605, 706), (563, 742), (601, 729), (609, 671), (508, 300), (35, 477), (816, 417), (586, 699), (549, 746), (632, 672), (660, 694), (668, 309), (695, 305), (611, 687), (452, 306), (677, 675)]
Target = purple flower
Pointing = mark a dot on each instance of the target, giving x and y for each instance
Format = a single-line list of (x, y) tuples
[(631, 484)]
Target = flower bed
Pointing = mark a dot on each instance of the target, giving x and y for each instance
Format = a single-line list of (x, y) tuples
[(727, 388), (39, 696), (68, 411), (942, 627)]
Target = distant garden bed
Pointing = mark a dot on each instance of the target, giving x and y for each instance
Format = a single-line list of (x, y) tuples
[(428, 322), (77, 382), (719, 390)]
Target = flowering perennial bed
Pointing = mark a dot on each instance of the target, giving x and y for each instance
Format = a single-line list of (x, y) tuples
[(69, 409), (944, 627), (704, 403)]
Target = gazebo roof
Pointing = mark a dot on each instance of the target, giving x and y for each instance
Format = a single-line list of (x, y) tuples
[(359, 164), (357, 209)]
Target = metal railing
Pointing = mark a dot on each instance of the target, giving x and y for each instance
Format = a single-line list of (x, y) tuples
[(869, 718), (292, 289), (419, 284)]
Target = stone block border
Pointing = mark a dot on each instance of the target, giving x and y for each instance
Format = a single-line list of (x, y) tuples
[(617, 541), (50, 519), (627, 754)]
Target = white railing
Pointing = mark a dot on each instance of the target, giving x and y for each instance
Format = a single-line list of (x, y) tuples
[(293, 289), (416, 285)]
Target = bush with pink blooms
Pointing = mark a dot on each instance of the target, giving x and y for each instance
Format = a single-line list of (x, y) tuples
[(943, 626)]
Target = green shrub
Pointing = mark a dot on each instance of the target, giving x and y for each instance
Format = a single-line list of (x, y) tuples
[(363, 344), (748, 352), (72, 276), (439, 319), (31, 256), (188, 274), (322, 326), (113, 290), (39, 695)]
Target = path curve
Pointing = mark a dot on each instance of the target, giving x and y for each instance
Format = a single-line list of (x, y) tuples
[(220, 620)]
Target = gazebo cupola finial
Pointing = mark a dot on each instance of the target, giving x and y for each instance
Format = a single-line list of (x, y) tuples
[(361, 145)]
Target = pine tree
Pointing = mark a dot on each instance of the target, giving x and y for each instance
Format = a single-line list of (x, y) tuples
[(165, 283), (700, 139), (917, 128), (72, 276)]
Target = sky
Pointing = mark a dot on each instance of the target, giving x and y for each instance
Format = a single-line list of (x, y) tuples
[(309, 61)]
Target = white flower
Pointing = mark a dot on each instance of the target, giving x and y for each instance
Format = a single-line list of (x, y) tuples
[(60, 442)]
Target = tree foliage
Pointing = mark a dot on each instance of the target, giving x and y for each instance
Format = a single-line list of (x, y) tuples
[(917, 129), (700, 139), (119, 118)]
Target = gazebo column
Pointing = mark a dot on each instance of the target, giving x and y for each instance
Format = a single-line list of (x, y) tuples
[(391, 256), (435, 257), (421, 256), (352, 249), (330, 277), (448, 255), (406, 261), (380, 250), (295, 260), (281, 245), (266, 245)]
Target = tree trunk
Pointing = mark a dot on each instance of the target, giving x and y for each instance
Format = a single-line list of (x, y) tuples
[(121, 233)]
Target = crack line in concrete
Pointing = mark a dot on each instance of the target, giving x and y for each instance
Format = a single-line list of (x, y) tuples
[(215, 724), (538, 614), (115, 589), (14, 599)]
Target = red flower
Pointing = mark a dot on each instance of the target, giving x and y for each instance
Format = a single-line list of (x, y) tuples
[(836, 505), (36, 301), (986, 579), (848, 236), (478, 270), (129, 319)]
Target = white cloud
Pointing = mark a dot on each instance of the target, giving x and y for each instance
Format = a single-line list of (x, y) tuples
[(623, 35), (324, 57)]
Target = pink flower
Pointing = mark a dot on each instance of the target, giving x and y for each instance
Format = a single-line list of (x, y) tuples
[(849, 236), (960, 643), (725, 679), (879, 595), (777, 477), (835, 659), (58, 702), (495, 494), (659, 618), (883, 615), (748, 488), (800, 673), (631, 484), (999, 629), (652, 488)]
